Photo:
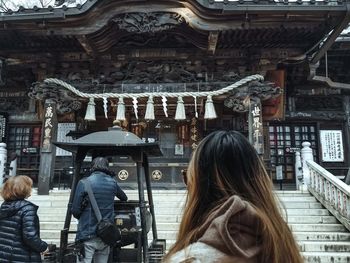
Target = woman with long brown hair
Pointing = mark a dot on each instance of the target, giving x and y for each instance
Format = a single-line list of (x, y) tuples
[(231, 214)]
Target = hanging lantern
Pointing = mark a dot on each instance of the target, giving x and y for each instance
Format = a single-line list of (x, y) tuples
[(150, 109), (180, 110), (209, 109), (120, 110), (90, 111)]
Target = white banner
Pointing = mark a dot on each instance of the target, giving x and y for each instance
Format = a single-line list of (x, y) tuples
[(62, 130), (332, 145)]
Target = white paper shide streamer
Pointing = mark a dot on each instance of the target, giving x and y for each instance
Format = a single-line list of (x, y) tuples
[(134, 105), (195, 106), (105, 109), (165, 109)]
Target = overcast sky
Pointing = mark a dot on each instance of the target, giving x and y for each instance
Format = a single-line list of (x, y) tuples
[(14, 4)]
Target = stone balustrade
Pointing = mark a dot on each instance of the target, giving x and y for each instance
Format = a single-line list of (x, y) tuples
[(330, 191)]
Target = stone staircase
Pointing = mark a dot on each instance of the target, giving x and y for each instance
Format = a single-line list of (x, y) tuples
[(320, 236)]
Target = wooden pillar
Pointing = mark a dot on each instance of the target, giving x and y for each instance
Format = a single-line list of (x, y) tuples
[(48, 150), (346, 106)]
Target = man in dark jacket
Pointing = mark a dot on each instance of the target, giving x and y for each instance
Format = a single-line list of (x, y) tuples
[(104, 188), (19, 224)]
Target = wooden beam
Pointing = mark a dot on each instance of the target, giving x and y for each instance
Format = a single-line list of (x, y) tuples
[(331, 84), (212, 41), (332, 37)]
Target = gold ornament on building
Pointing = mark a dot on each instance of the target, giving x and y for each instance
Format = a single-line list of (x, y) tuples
[(123, 175), (157, 175)]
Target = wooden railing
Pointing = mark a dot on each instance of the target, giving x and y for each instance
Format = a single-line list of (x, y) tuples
[(331, 192)]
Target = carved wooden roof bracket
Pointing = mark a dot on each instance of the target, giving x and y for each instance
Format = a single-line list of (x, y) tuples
[(253, 91), (66, 101)]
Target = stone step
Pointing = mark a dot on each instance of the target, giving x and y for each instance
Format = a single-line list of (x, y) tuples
[(305, 246), (326, 257), (301, 205), (317, 227), (311, 219), (59, 214), (309, 212), (297, 199), (170, 194), (56, 226), (169, 197), (174, 207), (322, 236), (296, 223), (300, 236), (324, 246), (336, 232), (64, 194)]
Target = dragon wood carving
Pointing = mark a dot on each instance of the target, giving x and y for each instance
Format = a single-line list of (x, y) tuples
[(254, 90), (148, 22), (65, 100)]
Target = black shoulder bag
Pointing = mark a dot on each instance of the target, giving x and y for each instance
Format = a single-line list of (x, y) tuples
[(107, 231)]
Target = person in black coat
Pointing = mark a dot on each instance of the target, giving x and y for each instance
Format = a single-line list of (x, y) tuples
[(19, 224)]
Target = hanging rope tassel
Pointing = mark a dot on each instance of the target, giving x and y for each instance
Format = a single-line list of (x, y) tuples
[(134, 105), (210, 112), (180, 110), (150, 109), (120, 110), (90, 111)]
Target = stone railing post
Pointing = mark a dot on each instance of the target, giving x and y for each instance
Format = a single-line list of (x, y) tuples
[(3, 160), (298, 170), (306, 155), (13, 164)]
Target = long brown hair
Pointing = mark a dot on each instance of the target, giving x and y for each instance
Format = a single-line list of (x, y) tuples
[(226, 164)]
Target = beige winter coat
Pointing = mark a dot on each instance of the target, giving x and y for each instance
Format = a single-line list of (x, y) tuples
[(231, 236)]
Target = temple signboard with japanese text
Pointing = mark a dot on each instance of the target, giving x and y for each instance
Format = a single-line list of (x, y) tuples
[(256, 127), (332, 145), (3, 121), (48, 127)]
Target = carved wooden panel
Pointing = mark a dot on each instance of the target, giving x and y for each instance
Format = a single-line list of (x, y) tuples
[(318, 103)]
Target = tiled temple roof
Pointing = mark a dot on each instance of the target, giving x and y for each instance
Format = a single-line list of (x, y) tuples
[(80, 6)]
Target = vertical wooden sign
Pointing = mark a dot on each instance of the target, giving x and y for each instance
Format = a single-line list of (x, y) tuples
[(48, 150), (256, 137)]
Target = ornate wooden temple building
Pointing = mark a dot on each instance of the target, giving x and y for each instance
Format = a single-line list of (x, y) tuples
[(172, 72)]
